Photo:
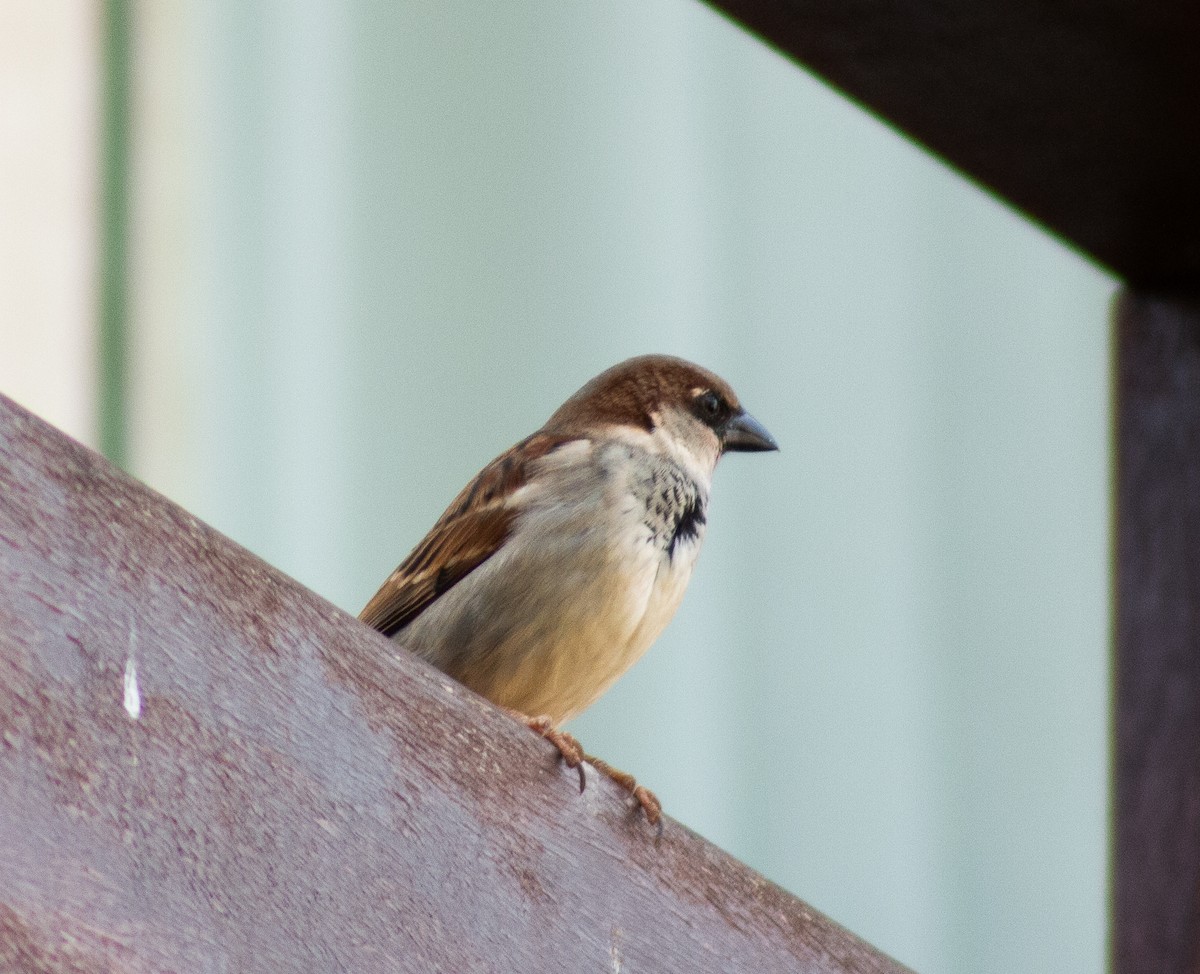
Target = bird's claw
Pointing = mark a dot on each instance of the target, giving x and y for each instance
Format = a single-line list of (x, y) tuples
[(650, 805), (569, 748), (646, 799)]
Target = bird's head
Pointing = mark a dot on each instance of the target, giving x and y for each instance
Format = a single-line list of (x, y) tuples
[(686, 411)]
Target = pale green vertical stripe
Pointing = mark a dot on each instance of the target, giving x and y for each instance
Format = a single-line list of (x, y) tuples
[(114, 225)]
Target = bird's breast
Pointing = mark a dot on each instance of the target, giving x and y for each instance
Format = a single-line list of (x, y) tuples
[(674, 521), (648, 525), (594, 570)]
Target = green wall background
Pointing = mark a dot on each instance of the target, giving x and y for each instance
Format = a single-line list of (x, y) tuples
[(371, 245)]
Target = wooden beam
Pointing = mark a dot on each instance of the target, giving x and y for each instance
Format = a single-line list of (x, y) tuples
[(1083, 115), (1157, 791), (204, 766)]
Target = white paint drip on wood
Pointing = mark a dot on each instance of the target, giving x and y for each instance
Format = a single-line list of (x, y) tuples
[(133, 697)]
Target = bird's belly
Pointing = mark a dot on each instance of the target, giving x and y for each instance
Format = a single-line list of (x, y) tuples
[(602, 628), (593, 657), (574, 626)]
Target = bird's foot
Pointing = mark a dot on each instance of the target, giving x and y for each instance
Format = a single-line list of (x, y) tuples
[(645, 798), (570, 749), (574, 756)]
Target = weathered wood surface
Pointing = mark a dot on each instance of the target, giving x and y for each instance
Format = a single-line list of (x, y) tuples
[(1156, 880), (294, 794), (1084, 115)]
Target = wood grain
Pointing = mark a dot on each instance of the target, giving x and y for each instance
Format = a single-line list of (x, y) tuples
[(1156, 881), (1083, 115), (294, 793)]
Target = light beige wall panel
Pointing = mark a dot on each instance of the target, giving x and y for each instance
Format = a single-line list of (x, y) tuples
[(49, 163)]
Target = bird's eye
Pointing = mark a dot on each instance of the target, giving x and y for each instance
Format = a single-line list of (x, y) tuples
[(710, 405)]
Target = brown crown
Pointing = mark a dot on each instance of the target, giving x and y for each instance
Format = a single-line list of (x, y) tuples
[(629, 393)]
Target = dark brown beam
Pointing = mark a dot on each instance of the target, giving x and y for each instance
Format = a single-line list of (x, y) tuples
[(1156, 880), (1085, 115), (285, 790)]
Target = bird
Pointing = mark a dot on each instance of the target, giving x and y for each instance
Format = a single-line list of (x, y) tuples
[(563, 560)]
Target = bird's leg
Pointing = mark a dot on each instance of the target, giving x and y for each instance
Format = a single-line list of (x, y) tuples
[(644, 796), (570, 749)]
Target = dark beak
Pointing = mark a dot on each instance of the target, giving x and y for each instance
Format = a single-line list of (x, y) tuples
[(745, 434)]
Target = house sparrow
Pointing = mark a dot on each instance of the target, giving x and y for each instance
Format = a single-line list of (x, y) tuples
[(563, 560)]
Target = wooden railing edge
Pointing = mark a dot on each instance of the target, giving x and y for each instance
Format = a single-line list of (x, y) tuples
[(205, 766)]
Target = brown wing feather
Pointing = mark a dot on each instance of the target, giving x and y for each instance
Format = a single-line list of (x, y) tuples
[(471, 530)]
